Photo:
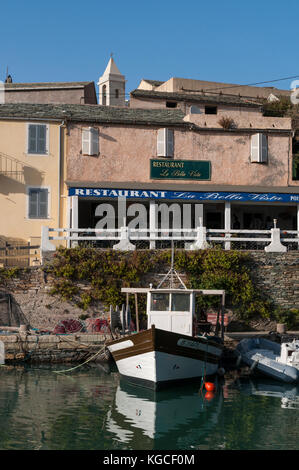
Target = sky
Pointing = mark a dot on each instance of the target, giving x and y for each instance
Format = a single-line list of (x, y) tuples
[(227, 41)]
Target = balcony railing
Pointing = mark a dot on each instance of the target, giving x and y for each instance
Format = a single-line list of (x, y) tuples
[(124, 238)]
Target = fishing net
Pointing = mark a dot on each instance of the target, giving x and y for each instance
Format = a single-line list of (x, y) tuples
[(69, 326), (96, 325)]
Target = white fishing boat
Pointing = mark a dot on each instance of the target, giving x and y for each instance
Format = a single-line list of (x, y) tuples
[(170, 349), (279, 361)]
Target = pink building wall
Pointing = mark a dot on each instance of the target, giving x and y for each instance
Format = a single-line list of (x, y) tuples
[(125, 153)]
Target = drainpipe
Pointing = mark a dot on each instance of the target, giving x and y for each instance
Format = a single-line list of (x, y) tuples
[(59, 170)]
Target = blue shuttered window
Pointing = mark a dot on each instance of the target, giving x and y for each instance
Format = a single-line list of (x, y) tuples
[(37, 138), (38, 203)]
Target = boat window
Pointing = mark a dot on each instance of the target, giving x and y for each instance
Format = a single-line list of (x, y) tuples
[(180, 302), (160, 302)]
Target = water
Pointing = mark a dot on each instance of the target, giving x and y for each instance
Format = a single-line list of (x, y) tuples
[(91, 409)]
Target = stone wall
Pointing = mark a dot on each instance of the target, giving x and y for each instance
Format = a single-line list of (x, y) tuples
[(30, 291), (275, 274)]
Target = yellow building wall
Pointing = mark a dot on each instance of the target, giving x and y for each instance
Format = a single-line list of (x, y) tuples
[(28, 170)]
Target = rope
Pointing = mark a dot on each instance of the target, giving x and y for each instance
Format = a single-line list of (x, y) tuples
[(76, 367)]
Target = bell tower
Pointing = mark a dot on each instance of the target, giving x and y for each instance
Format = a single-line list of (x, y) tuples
[(112, 85)]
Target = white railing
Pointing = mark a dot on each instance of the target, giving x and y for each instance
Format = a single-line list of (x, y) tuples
[(273, 240)]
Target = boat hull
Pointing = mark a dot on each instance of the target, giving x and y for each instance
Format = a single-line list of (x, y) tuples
[(157, 358)]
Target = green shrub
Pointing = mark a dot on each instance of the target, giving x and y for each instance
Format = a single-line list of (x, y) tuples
[(105, 272)]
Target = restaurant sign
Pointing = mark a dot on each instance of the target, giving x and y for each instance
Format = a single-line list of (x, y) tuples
[(180, 169), (184, 195)]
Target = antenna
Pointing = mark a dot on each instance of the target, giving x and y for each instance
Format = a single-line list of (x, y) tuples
[(172, 272)]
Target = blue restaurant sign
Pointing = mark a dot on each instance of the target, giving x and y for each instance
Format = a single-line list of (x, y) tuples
[(184, 195)]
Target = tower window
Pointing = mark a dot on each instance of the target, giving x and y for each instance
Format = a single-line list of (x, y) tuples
[(210, 109), (116, 93), (104, 95), (171, 104)]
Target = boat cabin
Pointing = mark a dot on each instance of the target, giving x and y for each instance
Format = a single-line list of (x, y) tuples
[(174, 309), (171, 310)]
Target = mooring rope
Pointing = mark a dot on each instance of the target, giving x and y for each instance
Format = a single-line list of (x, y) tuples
[(76, 367)]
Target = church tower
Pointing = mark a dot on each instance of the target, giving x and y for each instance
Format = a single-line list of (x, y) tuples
[(112, 86)]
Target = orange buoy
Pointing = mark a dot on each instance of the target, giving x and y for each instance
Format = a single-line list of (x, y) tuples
[(210, 387), (209, 396)]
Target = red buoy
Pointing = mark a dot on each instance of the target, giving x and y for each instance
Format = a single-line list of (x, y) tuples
[(210, 387)]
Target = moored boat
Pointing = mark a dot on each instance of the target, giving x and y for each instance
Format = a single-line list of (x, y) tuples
[(170, 349), (279, 361)]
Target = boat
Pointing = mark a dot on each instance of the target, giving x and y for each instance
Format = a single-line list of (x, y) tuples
[(170, 349), (279, 361)]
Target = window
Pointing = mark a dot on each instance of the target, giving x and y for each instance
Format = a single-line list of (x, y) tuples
[(90, 141), (116, 93), (210, 109), (37, 139), (104, 95), (180, 302), (38, 203), (165, 143), (171, 104), (160, 302), (259, 148)]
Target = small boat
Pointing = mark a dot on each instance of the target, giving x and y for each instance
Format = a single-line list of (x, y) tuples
[(170, 349), (279, 361)]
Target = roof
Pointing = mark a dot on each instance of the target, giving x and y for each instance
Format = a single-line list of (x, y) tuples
[(111, 68), (44, 85), (199, 98), (92, 113), (153, 82)]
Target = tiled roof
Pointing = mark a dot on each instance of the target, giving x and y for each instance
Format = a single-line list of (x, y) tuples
[(45, 85), (196, 98), (92, 113), (153, 82)]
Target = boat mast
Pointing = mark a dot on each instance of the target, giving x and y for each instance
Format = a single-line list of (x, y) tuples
[(172, 273)]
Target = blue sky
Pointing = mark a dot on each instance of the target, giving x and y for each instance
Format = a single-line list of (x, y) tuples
[(231, 41)]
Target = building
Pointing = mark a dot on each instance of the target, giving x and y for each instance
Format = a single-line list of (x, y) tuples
[(214, 156), (51, 93), (31, 171), (112, 86)]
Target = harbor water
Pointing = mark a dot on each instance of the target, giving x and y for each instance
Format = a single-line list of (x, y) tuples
[(91, 408)]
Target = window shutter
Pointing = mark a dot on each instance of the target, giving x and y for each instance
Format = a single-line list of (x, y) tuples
[(86, 142), (259, 148), (41, 139), (33, 203), (94, 133), (38, 203), (161, 143), (255, 148), (90, 141), (43, 203), (32, 133), (38, 139), (264, 148), (170, 142)]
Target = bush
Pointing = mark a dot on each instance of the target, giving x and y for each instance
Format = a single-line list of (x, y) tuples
[(106, 272)]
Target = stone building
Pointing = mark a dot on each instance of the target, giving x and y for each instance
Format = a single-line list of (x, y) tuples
[(51, 92), (216, 153)]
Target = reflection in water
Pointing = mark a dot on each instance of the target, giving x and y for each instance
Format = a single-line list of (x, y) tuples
[(174, 415), (91, 409), (288, 393)]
